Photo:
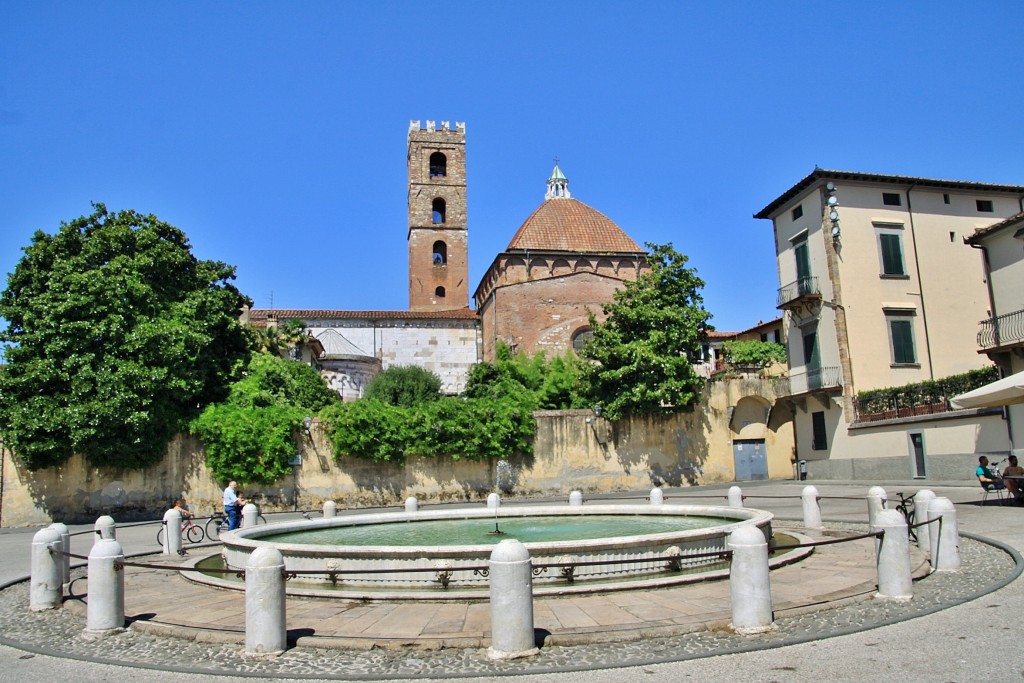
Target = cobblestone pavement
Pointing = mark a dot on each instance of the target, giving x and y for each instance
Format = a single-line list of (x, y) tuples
[(59, 632)]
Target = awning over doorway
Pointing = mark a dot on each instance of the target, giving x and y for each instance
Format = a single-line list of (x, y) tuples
[(1003, 392)]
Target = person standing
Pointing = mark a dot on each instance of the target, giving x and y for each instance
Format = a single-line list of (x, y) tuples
[(233, 506)]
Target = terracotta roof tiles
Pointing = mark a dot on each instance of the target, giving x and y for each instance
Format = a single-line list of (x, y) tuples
[(565, 224)]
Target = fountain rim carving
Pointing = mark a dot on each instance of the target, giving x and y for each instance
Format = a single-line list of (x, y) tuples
[(626, 550)]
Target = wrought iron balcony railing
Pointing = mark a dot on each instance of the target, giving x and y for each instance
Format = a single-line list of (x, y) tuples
[(804, 382), (804, 288), (1002, 330)]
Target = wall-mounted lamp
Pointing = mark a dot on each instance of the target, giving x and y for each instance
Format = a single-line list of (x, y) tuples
[(307, 422)]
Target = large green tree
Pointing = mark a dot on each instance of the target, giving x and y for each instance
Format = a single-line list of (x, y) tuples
[(117, 335), (250, 437), (642, 354)]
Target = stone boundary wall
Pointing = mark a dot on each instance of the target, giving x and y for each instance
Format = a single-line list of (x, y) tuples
[(573, 450)]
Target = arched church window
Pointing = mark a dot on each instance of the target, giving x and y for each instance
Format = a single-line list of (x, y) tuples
[(440, 253), (580, 338), (438, 208), (439, 292), (438, 165)]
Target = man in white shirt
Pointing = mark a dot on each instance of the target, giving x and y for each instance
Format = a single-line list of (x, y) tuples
[(233, 506)]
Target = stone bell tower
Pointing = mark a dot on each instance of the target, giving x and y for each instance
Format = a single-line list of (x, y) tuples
[(438, 245)]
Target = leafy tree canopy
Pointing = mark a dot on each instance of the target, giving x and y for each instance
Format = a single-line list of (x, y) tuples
[(404, 385), (548, 384), (250, 437), (757, 353), (117, 333), (642, 352)]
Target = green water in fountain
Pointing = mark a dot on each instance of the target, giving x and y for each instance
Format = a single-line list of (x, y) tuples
[(479, 531)]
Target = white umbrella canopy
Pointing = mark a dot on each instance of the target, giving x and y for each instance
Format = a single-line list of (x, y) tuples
[(1002, 392)]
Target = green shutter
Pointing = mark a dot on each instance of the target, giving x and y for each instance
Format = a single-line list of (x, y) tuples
[(892, 255), (902, 341)]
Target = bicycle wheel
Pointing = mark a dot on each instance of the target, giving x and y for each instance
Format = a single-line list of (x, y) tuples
[(213, 528), (260, 519), (195, 534), (160, 537)]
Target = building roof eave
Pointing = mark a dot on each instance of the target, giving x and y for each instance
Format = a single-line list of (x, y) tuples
[(821, 174)]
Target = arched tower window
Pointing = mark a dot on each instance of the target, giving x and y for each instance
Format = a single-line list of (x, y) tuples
[(438, 165), (440, 253), (438, 208), (439, 292)]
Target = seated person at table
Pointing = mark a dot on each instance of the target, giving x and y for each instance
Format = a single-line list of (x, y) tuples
[(990, 480), (1014, 486)]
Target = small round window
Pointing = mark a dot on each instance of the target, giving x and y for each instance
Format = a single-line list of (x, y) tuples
[(580, 338)]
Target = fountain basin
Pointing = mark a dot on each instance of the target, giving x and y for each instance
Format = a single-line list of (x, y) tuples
[(454, 571)]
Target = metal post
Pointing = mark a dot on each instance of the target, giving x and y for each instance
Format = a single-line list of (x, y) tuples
[(105, 528)]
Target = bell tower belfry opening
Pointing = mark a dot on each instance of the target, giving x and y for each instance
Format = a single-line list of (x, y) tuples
[(438, 244)]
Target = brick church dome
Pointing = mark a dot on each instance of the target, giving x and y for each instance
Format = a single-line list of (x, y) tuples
[(562, 223), (566, 224)]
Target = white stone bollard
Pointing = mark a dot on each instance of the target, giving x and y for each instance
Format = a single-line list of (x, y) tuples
[(876, 502), (493, 501), (330, 509), (922, 500), (895, 581), (576, 498), (511, 593), (46, 584), (105, 611), (249, 513), (411, 504), (65, 542), (812, 507), (657, 497), (944, 537), (266, 634), (749, 585), (172, 532), (105, 528), (735, 497)]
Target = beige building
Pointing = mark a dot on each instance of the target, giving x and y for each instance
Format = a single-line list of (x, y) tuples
[(1001, 333), (879, 290)]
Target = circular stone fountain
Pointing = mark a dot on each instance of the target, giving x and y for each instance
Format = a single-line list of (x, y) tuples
[(453, 566)]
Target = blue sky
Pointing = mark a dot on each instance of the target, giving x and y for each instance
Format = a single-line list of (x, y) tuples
[(274, 134)]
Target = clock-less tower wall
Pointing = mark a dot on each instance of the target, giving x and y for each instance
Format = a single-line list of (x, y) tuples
[(438, 244)]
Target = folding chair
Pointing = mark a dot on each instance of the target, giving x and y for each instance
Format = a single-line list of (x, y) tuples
[(1001, 494)]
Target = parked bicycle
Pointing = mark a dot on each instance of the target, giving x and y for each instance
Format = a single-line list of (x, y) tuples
[(906, 508), (218, 523), (189, 529)]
